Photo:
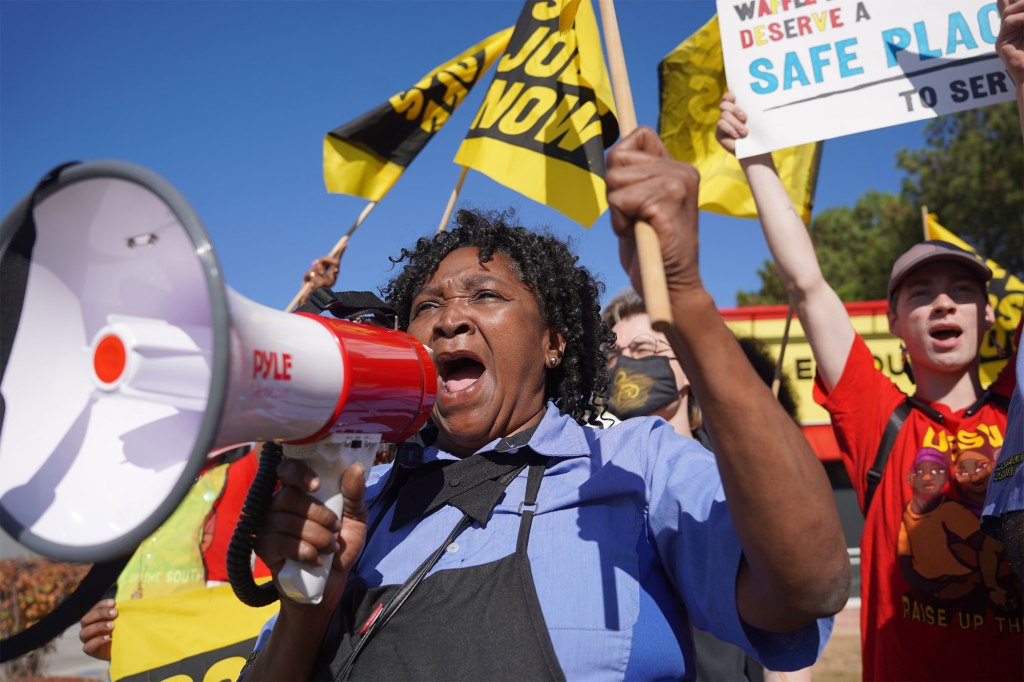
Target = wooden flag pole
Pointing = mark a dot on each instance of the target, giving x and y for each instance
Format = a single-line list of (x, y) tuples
[(652, 269), (924, 220), (443, 225), (335, 252), (777, 379)]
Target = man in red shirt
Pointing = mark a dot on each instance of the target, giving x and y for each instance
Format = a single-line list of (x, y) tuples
[(939, 601)]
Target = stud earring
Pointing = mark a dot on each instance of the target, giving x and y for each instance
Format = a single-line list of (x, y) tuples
[(553, 360)]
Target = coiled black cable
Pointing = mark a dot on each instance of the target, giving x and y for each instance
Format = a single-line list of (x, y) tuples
[(250, 520)]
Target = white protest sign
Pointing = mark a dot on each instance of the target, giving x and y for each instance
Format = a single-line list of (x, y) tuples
[(808, 70)]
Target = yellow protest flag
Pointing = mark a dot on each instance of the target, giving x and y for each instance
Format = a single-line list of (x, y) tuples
[(567, 14), (365, 156), (201, 634), (1005, 293), (933, 230), (548, 115), (691, 83)]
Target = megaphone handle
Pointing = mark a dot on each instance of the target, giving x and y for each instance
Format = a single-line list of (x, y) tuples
[(300, 581)]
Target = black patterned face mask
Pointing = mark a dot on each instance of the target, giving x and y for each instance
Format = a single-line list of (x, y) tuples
[(641, 386)]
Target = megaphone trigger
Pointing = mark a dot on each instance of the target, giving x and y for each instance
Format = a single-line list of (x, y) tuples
[(302, 582)]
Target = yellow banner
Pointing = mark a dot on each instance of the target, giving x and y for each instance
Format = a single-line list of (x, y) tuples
[(692, 80), (1005, 293), (548, 115), (365, 157), (171, 559), (203, 634), (767, 324)]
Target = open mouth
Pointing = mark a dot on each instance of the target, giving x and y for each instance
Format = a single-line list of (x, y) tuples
[(945, 334), (460, 373)]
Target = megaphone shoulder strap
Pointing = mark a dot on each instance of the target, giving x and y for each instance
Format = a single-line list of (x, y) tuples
[(92, 588), (345, 304)]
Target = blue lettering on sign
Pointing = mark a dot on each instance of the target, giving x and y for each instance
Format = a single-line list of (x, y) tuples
[(961, 36), (896, 40), (762, 70), (845, 57), (818, 61), (795, 69), (985, 23), (924, 51)]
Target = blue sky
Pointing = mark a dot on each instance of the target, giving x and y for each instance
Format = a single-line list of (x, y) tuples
[(229, 101)]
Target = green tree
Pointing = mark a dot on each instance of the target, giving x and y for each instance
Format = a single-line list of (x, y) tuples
[(853, 247), (970, 173)]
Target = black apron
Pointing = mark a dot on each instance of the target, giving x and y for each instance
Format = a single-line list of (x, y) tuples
[(478, 623)]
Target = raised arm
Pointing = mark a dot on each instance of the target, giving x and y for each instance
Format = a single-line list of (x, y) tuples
[(1010, 47), (795, 566), (821, 312)]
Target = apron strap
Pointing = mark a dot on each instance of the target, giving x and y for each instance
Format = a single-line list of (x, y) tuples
[(528, 507), (380, 617), (527, 510)]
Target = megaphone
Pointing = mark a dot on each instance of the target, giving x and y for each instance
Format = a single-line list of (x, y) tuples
[(124, 360)]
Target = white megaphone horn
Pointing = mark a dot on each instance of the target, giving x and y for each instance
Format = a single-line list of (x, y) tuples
[(124, 360)]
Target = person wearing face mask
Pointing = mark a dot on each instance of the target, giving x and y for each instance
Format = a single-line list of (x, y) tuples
[(645, 378)]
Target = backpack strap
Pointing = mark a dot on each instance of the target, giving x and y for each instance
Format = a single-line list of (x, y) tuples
[(997, 399), (892, 428)]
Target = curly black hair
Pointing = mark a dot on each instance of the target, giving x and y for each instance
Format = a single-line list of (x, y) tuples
[(568, 295)]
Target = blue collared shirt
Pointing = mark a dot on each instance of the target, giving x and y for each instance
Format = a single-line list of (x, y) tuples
[(632, 541)]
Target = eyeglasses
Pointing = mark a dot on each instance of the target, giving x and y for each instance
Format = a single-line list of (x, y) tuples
[(640, 347)]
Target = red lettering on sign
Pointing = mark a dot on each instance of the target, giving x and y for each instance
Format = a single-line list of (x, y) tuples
[(267, 364)]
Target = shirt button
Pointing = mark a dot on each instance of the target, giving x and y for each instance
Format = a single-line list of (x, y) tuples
[(452, 548), (454, 483)]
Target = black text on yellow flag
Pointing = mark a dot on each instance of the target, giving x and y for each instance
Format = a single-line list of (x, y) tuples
[(548, 115), (365, 156)]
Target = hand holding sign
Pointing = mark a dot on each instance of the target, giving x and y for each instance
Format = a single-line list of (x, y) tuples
[(96, 629), (1010, 42), (732, 125), (806, 71)]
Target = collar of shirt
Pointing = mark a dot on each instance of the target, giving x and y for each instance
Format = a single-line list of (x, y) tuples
[(557, 435), (471, 483)]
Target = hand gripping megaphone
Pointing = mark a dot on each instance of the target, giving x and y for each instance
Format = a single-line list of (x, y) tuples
[(124, 360)]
